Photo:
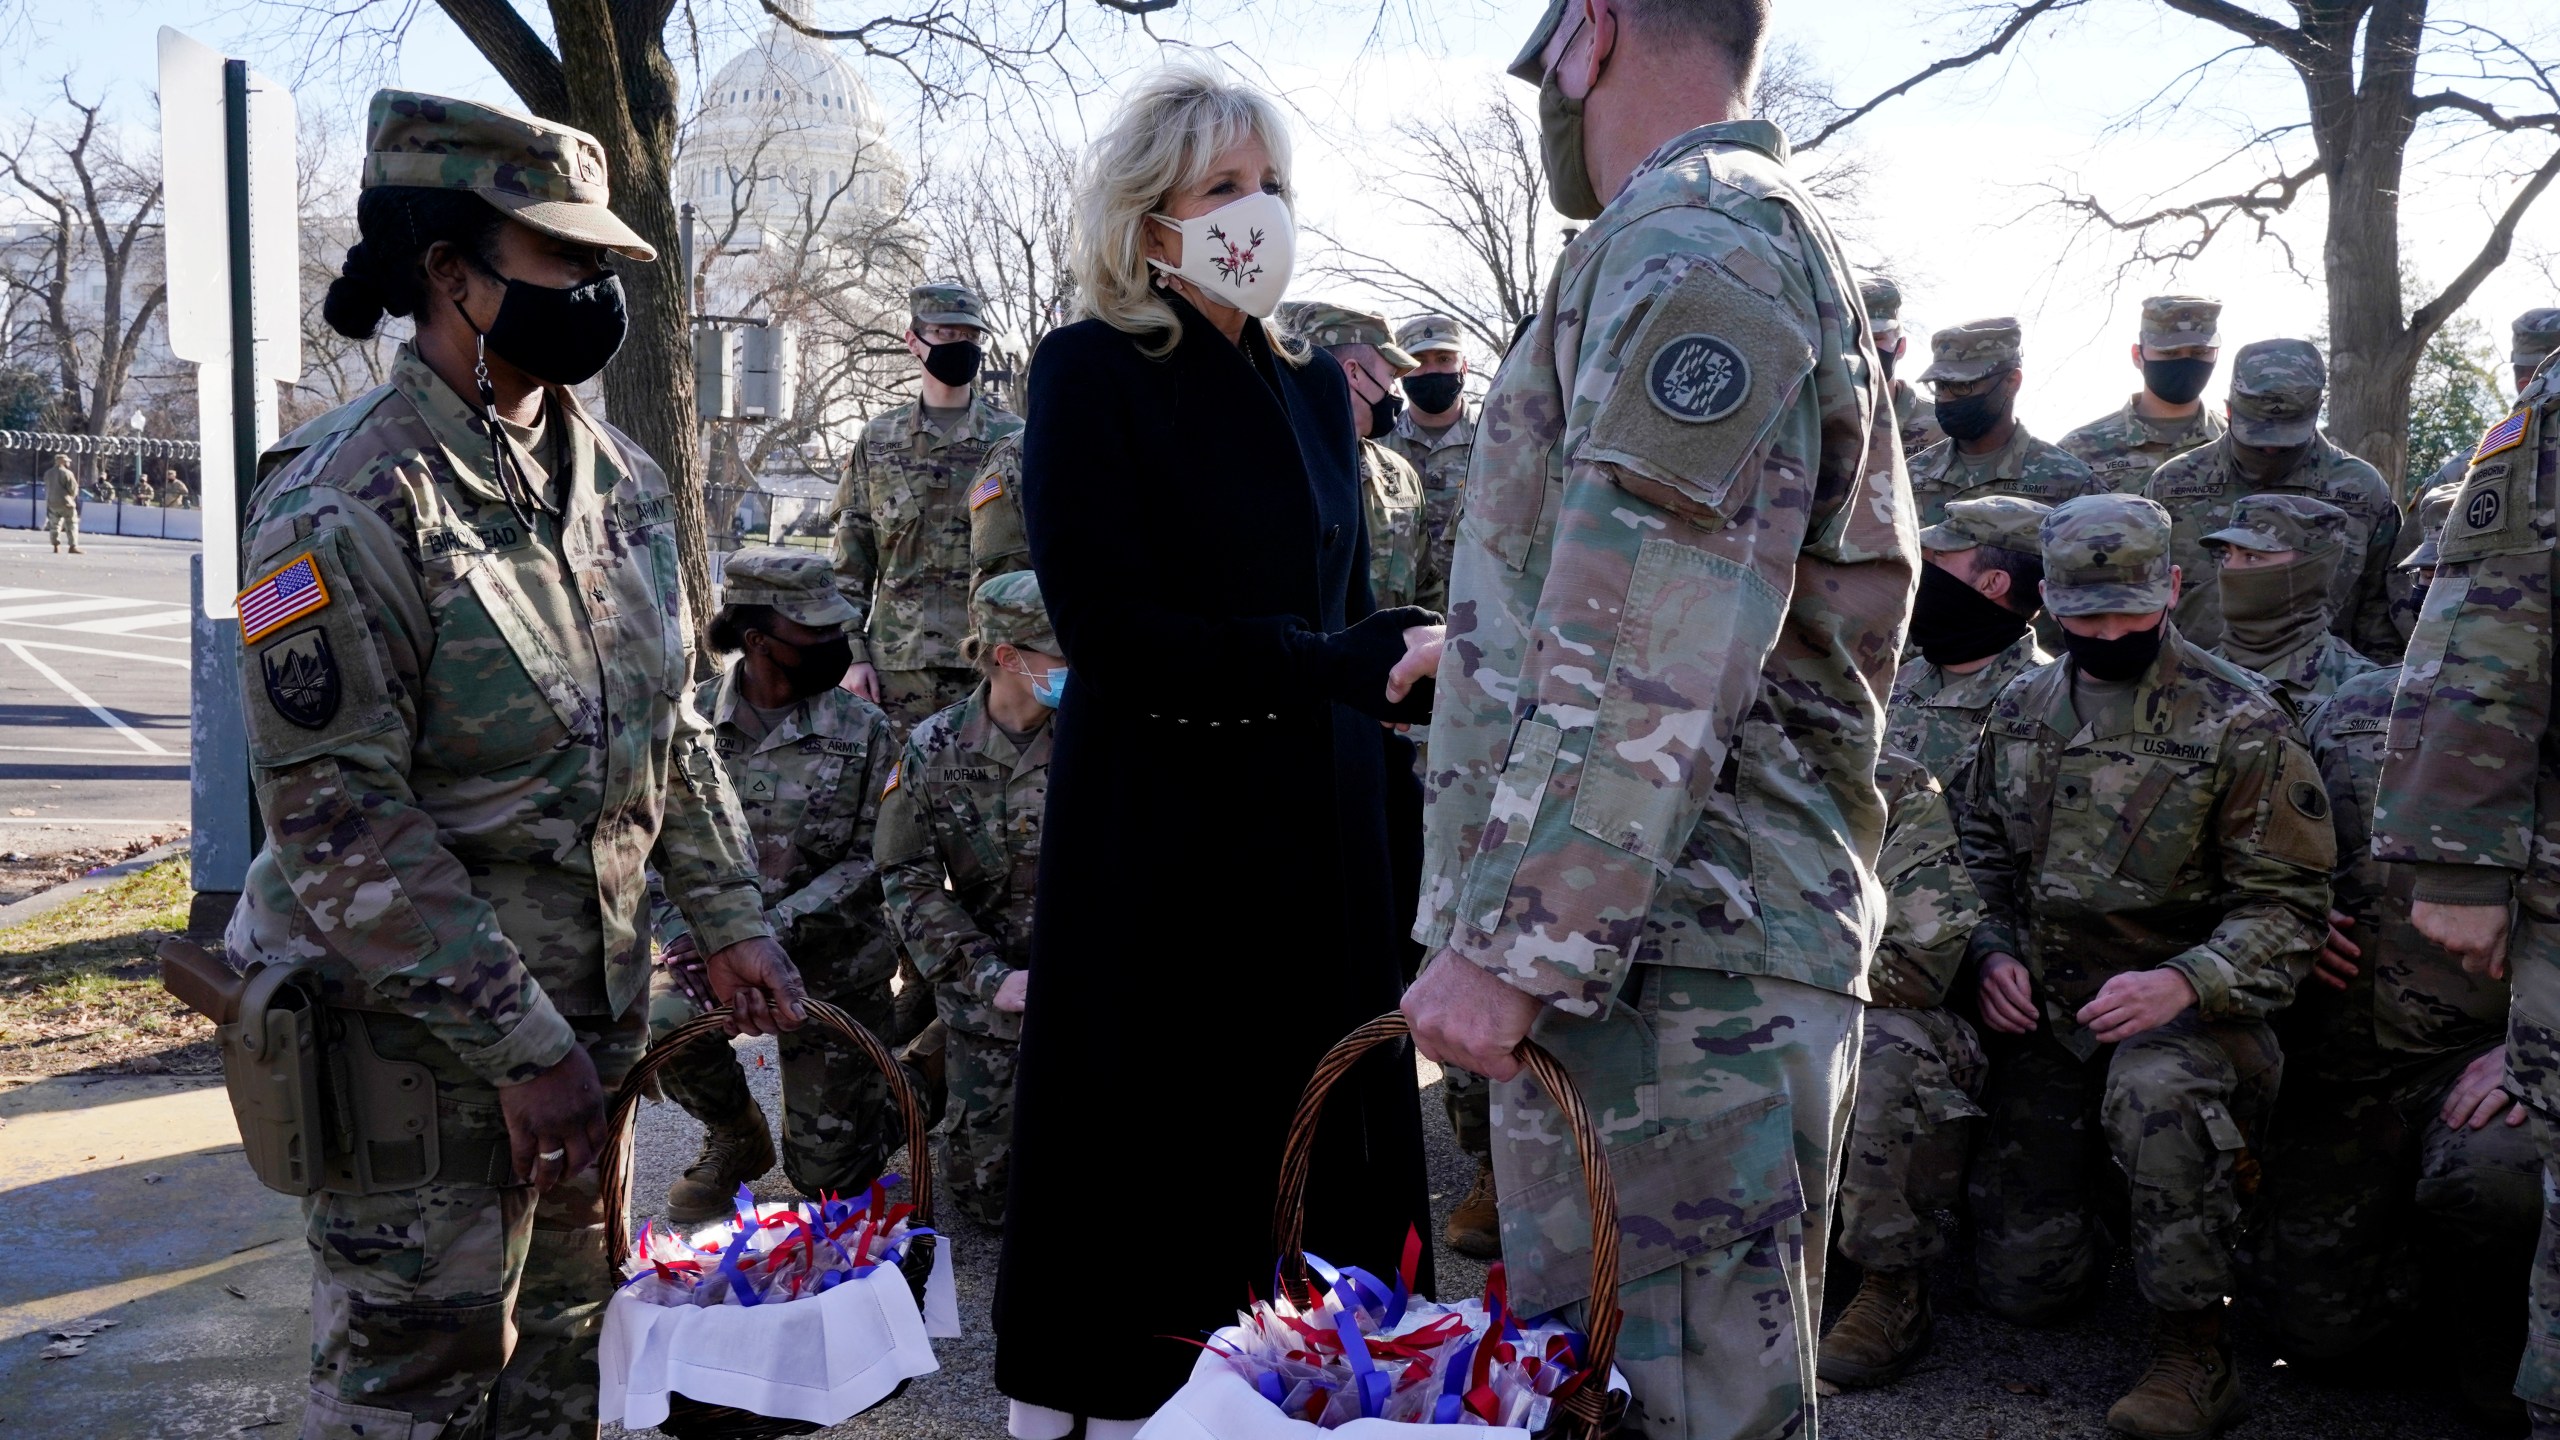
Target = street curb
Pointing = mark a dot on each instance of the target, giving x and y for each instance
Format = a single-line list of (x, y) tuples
[(63, 894)]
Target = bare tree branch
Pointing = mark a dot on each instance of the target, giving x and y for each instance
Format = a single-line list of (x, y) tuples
[(511, 47), (2492, 254), (2257, 29), (2016, 25)]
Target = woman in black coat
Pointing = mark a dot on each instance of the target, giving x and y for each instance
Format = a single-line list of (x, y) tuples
[(1214, 907)]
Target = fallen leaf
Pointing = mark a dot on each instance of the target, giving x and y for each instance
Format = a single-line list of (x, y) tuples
[(83, 1329), (257, 1425), (234, 1292), (63, 1349), (153, 1179)]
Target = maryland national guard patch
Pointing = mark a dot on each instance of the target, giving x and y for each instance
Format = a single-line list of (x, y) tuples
[(1698, 379), (301, 674)]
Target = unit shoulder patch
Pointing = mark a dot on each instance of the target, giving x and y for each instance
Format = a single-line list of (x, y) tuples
[(1698, 379), (301, 676)]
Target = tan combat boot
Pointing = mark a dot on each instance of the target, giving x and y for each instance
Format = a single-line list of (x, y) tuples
[(734, 1152), (2191, 1389), (1475, 1227), (1885, 1328)]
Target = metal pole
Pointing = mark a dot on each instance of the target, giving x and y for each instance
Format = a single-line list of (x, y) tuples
[(244, 349)]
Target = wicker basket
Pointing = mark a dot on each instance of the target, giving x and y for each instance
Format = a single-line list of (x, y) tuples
[(1585, 1410), (691, 1419)]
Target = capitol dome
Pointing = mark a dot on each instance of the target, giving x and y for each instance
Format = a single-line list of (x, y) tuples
[(788, 129)]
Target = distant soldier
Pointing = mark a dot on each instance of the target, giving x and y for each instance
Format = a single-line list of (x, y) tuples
[(902, 542), (998, 542), (2277, 558), (1373, 363), (62, 505), (1970, 626), (2181, 340), (807, 760), (174, 491), (2153, 849), (2417, 570), (1920, 1077), (1918, 425), (2535, 334), (959, 852), (143, 493), (1437, 436), (1974, 371), (2275, 444)]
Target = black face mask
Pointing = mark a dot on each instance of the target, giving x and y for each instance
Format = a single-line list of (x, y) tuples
[(1435, 393), (1954, 624), (813, 669), (1383, 412), (2176, 381), (1974, 416), (955, 362), (561, 336), (1887, 357), (2256, 465), (2127, 657)]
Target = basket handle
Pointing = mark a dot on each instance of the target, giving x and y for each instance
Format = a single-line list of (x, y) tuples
[(1584, 1400), (615, 1165)]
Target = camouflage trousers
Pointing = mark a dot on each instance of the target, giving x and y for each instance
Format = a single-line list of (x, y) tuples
[(2533, 1073), (62, 526), (973, 1144), (1920, 1077), (2174, 1108), (1725, 1100), (839, 1126), (449, 1311), (1468, 1097), (2368, 1196), (913, 696)]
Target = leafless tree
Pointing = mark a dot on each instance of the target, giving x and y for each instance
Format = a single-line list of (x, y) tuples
[(335, 369), (86, 266), (2379, 79), (1792, 92), (1003, 225)]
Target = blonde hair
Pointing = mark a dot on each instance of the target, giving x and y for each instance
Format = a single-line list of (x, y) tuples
[(1172, 126)]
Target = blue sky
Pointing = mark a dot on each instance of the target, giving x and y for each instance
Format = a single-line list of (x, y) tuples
[(1958, 167)]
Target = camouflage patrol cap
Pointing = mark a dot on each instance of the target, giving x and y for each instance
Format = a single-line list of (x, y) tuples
[(2105, 555), (544, 174), (2171, 322), (2281, 520), (1007, 610), (800, 585), (2537, 334), (946, 302), (1425, 333), (2012, 522), (1325, 325), (1884, 304), (2275, 392), (1973, 350), (1525, 65), (2434, 508)]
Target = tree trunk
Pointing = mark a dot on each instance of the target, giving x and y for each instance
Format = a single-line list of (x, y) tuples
[(2363, 133)]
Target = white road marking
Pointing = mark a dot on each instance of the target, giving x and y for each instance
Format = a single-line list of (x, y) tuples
[(73, 750), (178, 660), (77, 628), (72, 606), (128, 624), (140, 740)]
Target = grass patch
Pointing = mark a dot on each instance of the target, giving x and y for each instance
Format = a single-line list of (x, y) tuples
[(80, 986)]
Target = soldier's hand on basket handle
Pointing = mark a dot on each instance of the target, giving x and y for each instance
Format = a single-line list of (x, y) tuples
[(760, 986), (1461, 1015), (2476, 934), (2479, 1095), (555, 1121), (2008, 995)]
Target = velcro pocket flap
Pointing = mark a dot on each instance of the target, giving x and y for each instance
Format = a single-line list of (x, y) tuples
[(1518, 792), (1682, 1194)]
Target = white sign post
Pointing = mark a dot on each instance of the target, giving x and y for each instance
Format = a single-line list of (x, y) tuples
[(234, 262)]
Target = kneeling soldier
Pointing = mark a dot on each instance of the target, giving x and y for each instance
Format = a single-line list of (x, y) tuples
[(807, 761), (965, 805), (2153, 849), (2277, 560)]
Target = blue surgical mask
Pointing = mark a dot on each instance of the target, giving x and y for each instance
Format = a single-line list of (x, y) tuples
[(1050, 687)]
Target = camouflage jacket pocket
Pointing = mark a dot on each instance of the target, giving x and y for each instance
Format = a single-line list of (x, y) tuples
[(2162, 825), (1517, 795)]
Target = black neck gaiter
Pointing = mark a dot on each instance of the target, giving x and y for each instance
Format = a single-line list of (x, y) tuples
[(1954, 624), (2127, 657)]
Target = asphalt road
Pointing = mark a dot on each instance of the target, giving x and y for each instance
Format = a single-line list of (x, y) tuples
[(93, 690)]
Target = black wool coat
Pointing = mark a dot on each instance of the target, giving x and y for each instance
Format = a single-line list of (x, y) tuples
[(1214, 907)]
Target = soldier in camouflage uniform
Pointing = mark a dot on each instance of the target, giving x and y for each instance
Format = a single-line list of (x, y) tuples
[(1437, 439), (1974, 371), (902, 544), (959, 853), (464, 676), (2278, 559), (2417, 570), (806, 760), (1920, 1077), (174, 492), (1981, 588), (2533, 336), (1389, 487), (2181, 340), (2275, 444), (62, 505), (1917, 423), (1681, 579), (999, 543), (2470, 794), (2153, 849), (2399, 1172)]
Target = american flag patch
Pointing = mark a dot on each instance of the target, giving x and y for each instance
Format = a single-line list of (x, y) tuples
[(893, 782), (988, 487), (2506, 435), (282, 598)]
